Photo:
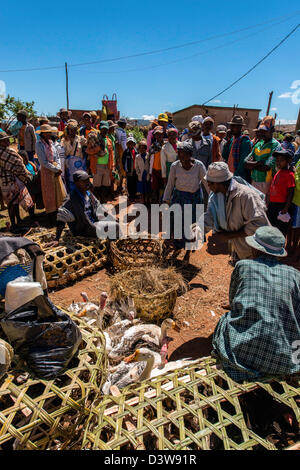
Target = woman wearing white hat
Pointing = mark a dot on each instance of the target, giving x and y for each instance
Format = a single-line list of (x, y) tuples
[(53, 189)]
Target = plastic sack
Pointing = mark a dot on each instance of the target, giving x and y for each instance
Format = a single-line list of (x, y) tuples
[(21, 291), (43, 336)]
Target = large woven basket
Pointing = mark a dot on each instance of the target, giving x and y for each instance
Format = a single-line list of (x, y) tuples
[(153, 308), (74, 258), (41, 414), (195, 408), (130, 253)]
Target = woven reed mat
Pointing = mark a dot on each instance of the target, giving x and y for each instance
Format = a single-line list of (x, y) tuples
[(41, 414), (195, 408), (74, 258)]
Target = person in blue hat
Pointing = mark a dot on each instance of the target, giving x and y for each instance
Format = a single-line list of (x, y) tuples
[(259, 335)]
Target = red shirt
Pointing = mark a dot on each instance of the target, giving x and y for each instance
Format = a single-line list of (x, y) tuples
[(282, 181)]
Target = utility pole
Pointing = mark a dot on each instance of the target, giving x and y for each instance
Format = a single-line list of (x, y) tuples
[(67, 85), (269, 103)]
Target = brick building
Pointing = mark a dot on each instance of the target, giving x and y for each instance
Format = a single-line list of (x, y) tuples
[(221, 115)]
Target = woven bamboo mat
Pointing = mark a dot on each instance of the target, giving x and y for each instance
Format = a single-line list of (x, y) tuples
[(195, 408), (41, 414)]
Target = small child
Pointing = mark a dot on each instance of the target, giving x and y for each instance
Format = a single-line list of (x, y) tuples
[(142, 167), (281, 192), (128, 162)]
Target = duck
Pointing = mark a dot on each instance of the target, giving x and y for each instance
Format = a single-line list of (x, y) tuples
[(146, 334), (145, 354), (127, 373)]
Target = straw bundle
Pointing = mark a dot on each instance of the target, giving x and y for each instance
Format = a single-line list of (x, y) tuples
[(153, 289), (40, 414)]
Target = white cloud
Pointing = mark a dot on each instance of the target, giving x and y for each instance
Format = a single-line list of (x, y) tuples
[(287, 94), (216, 101), (148, 117), (273, 109), (295, 84)]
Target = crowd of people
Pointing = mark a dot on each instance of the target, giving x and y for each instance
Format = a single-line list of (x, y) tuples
[(250, 189)]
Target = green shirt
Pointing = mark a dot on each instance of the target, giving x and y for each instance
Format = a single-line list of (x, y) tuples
[(262, 152), (104, 159)]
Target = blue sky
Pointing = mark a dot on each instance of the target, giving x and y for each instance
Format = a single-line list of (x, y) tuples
[(40, 35)]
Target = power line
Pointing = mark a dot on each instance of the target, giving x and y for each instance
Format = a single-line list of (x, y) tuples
[(197, 54), (254, 66), (149, 52)]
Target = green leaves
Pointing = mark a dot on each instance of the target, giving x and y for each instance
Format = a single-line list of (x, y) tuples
[(11, 106)]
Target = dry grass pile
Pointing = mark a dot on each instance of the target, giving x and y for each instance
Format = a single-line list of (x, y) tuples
[(153, 289)]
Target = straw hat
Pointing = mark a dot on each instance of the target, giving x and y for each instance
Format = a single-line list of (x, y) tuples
[(63, 110), (237, 120), (268, 240), (46, 128)]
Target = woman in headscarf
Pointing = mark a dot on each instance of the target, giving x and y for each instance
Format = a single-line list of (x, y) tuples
[(187, 175), (53, 189)]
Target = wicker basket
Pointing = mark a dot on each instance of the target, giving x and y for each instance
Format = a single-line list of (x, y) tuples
[(195, 408), (130, 253), (150, 307), (74, 258), (41, 414)]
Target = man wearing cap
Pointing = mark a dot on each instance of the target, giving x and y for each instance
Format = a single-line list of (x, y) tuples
[(207, 126), (25, 133), (260, 334), (80, 210), (238, 149), (163, 121), (64, 115), (260, 160), (234, 210)]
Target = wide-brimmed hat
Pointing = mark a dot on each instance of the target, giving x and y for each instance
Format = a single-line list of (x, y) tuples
[(218, 172), (112, 124), (122, 121), (43, 118), (195, 128), (208, 119), (163, 117), (46, 128), (288, 153), (172, 129), (221, 129), (63, 110), (23, 112), (268, 240), (237, 120), (198, 118), (267, 124), (158, 130), (72, 123)]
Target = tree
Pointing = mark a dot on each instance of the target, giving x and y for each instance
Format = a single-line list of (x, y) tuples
[(10, 107)]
